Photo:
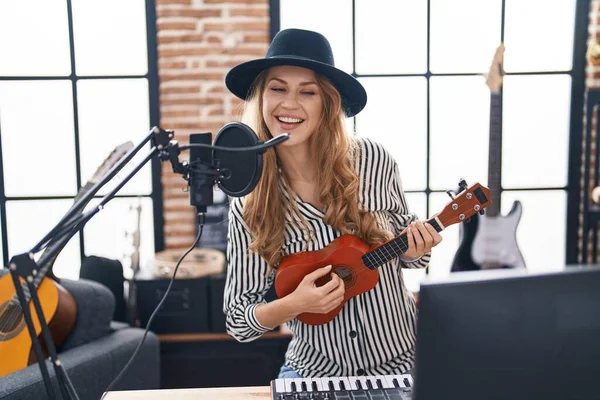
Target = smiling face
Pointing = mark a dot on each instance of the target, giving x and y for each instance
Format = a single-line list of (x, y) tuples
[(292, 103)]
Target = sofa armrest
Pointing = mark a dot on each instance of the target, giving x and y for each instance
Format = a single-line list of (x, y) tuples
[(92, 367)]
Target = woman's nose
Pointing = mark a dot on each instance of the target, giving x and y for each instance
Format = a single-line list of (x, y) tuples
[(290, 100)]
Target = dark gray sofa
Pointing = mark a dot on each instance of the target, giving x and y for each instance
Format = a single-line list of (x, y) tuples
[(94, 353)]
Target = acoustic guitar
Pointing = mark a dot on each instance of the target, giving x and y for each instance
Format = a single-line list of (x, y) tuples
[(58, 305), (356, 262), (490, 241)]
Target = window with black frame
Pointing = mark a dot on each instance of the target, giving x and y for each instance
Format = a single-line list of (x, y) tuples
[(76, 80), (423, 64)]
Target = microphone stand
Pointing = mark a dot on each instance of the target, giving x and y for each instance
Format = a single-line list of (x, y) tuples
[(24, 266)]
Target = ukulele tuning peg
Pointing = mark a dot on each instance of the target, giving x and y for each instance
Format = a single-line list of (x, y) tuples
[(463, 184), (451, 194), (481, 212)]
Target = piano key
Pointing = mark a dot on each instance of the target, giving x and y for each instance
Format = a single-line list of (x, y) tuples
[(374, 383), (363, 382), (288, 385), (336, 383), (306, 384), (384, 382), (316, 382), (280, 385), (352, 381), (346, 382), (390, 381), (400, 379), (298, 384), (410, 379), (407, 380)]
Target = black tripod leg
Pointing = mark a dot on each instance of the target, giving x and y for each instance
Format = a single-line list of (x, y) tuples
[(34, 340), (58, 368)]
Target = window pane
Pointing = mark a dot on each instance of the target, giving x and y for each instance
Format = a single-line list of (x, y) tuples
[(536, 110), (36, 119), (526, 50), (417, 202), (104, 238), (29, 220), (404, 27), (443, 254), (34, 38), (464, 35), (112, 112), (396, 116), (109, 42), (460, 109), (316, 15), (542, 249)]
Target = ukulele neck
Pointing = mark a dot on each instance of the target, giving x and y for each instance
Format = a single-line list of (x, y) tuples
[(393, 248)]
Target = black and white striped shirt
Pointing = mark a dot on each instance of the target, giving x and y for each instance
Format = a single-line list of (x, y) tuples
[(374, 333)]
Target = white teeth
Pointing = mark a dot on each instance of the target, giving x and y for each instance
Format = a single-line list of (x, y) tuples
[(289, 120)]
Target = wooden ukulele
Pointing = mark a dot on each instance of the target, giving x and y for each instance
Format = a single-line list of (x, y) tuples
[(490, 241), (58, 305), (356, 262)]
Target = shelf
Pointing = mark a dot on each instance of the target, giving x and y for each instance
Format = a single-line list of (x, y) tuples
[(206, 337)]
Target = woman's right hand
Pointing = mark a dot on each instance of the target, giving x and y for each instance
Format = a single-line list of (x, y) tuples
[(308, 297)]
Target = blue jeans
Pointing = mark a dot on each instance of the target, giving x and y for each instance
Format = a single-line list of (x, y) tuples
[(287, 372)]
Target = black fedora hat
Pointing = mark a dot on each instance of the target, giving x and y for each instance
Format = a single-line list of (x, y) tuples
[(305, 49)]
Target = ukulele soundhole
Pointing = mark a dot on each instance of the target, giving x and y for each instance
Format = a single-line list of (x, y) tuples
[(11, 320), (345, 273)]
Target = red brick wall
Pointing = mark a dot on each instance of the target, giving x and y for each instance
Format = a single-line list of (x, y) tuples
[(198, 41)]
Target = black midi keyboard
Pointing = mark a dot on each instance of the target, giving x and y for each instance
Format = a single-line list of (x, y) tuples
[(376, 387)]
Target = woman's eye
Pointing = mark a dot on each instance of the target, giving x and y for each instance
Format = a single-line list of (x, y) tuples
[(277, 89), (310, 93)]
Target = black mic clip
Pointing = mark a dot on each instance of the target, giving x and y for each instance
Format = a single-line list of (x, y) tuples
[(168, 150)]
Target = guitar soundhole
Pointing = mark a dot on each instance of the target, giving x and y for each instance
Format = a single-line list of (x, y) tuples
[(11, 320), (346, 274)]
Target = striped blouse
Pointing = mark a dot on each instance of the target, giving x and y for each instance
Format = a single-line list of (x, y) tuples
[(374, 333)]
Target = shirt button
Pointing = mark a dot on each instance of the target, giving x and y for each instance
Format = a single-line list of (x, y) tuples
[(360, 372), (352, 334)]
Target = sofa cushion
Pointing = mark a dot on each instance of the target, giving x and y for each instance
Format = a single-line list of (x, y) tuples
[(95, 309)]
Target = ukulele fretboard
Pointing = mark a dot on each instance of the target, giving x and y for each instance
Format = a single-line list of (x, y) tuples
[(392, 249)]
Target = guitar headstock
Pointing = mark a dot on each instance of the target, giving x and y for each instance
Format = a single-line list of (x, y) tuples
[(496, 74), (113, 158), (472, 200)]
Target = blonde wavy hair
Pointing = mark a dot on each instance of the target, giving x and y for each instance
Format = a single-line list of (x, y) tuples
[(267, 208)]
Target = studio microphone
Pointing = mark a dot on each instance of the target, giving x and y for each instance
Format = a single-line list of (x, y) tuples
[(233, 162)]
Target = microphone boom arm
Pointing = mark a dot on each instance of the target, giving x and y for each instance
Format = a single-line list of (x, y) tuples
[(159, 136), (24, 265)]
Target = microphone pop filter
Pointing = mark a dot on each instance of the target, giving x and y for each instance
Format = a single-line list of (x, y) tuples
[(241, 169)]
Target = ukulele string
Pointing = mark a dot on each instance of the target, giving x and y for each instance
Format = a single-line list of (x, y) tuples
[(11, 316), (15, 313), (402, 248)]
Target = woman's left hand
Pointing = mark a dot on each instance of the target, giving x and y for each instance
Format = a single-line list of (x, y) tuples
[(422, 237)]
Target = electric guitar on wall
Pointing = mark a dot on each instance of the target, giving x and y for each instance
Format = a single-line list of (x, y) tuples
[(490, 241), (356, 262), (58, 305)]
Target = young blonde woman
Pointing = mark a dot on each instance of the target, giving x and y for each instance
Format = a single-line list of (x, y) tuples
[(317, 185)]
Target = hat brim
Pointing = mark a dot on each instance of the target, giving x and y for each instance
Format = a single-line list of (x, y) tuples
[(354, 97)]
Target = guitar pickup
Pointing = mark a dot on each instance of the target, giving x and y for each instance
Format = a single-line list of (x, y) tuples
[(480, 196)]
